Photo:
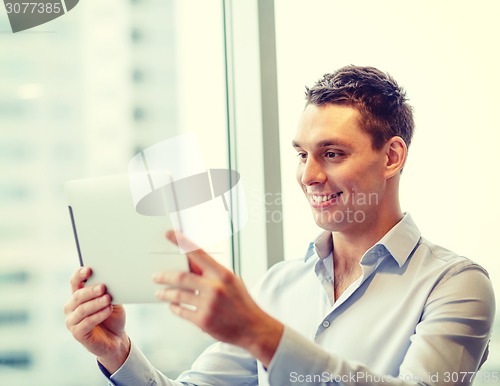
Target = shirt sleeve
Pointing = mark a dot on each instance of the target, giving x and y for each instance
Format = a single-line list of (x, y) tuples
[(138, 371), (220, 364), (448, 346)]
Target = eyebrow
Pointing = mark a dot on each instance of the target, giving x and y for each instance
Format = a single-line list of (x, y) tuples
[(326, 143)]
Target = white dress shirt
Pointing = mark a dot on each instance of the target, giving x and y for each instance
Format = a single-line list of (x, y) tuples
[(418, 314)]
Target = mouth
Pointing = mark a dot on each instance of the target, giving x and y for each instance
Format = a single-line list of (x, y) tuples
[(323, 200)]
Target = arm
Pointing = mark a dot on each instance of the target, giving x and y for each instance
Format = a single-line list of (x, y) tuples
[(451, 337), (447, 348)]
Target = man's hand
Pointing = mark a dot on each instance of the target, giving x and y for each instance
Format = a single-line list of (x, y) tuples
[(218, 303), (94, 322)]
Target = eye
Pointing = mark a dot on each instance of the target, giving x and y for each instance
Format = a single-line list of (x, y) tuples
[(332, 154), (302, 156)]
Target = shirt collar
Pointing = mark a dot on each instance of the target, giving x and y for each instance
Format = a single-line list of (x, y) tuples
[(400, 241), (322, 246)]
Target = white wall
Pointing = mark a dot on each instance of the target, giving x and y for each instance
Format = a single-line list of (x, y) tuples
[(444, 54)]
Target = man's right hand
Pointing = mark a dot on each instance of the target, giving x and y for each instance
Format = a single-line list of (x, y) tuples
[(97, 324)]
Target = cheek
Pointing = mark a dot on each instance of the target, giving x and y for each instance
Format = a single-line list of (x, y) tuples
[(367, 173), (298, 175), (366, 183), (346, 178), (355, 180)]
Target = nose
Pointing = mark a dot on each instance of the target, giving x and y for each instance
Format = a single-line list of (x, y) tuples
[(311, 172)]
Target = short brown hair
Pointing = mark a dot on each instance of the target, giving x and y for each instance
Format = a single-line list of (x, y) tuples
[(381, 102)]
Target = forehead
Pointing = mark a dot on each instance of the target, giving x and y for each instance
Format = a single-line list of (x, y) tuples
[(330, 124)]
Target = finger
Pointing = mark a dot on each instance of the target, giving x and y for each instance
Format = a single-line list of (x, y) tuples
[(84, 295), (78, 278), (193, 267), (182, 241), (172, 237), (83, 328), (87, 309), (180, 279), (199, 260), (184, 312), (178, 296)]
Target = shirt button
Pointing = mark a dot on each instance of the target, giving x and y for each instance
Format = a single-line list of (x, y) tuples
[(326, 323)]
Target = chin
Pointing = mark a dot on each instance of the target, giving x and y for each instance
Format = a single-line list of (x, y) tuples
[(338, 220), (332, 227), (326, 221)]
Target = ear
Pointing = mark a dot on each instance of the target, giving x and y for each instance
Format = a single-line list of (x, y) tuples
[(396, 152)]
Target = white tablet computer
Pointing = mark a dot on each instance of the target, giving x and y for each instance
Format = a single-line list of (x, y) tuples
[(123, 247)]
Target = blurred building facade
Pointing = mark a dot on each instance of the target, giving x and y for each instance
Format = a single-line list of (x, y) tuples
[(79, 97)]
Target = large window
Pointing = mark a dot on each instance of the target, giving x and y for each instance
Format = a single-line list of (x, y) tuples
[(80, 96)]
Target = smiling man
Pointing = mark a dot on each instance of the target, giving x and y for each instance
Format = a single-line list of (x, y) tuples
[(373, 302)]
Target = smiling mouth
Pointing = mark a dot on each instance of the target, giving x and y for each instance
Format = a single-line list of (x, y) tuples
[(323, 199)]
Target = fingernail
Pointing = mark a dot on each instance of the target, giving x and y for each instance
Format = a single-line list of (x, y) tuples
[(97, 289), (83, 271)]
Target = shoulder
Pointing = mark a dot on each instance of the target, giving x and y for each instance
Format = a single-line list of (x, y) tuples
[(436, 257), (456, 277)]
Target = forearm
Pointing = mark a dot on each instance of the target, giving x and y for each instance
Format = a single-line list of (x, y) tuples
[(264, 340), (115, 359)]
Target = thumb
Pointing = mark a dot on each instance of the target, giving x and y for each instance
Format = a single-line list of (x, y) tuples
[(193, 267), (199, 261), (178, 239), (181, 241)]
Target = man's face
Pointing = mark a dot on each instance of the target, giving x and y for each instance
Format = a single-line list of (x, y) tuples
[(340, 173)]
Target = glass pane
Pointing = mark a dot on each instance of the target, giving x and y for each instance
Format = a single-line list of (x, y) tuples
[(80, 96)]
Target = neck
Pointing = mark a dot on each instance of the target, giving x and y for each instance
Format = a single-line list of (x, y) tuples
[(350, 245)]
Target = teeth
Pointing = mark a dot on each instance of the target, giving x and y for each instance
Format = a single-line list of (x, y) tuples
[(325, 198)]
